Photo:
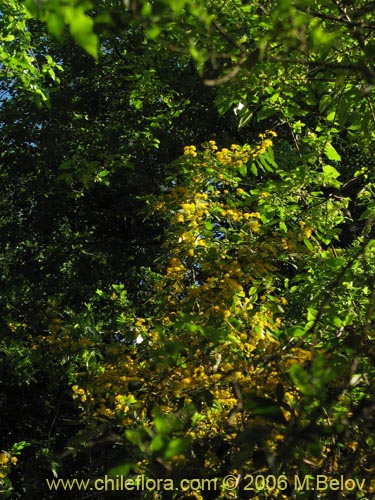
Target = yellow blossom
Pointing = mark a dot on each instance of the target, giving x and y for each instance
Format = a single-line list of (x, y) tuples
[(252, 214), (272, 133), (190, 151), (179, 218)]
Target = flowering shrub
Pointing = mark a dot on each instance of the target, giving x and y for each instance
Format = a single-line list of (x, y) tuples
[(224, 366)]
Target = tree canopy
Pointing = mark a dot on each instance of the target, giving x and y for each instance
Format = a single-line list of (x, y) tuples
[(187, 249)]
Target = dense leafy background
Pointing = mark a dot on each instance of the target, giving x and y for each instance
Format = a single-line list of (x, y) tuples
[(187, 243)]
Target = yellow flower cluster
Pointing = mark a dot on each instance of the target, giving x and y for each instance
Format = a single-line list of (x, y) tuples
[(6, 462), (213, 145), (81, 393), (190, 151), (235, 156), (251, 215), (295, 355), (14, 326), (6, 459), (175, 268), (235, 215), (288, 242), (265, 145), (266, 142), (196, 209), (238, 155), (270, 133)]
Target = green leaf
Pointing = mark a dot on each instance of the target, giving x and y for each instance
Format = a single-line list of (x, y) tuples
[(270, 410), (337, 321), (175, 447), (311, 314), (264, 161), (296, 331), (243, 170), (103, 173), (332, 154), (153, 32), (162, 424), (302, 380), (7, 38), (55, 24), (245, 116), (158, 442), (269, 157), (254, 169), (308, 244), (369, 212), (122, 469), (82, 29)]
